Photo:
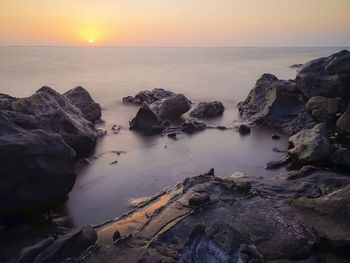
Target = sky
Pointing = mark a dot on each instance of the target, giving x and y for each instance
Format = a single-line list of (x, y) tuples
[(175, 22)]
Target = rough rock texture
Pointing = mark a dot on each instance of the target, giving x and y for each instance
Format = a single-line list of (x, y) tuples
[(322, 108), (146, 121), (343, 123), (272, 102), (81, 99), (54, 113), (28, 254), (70, 245), (228, 223), (192, 125), (311, 146), (36, 168), (328, 77), (208, 109), (148, 96), (171, 107), (342, 158), (6, 101)]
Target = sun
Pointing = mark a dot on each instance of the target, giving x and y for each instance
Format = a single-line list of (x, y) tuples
[(91, 40)]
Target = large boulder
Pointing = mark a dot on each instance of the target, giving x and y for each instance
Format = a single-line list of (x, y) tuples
[(322, 108), (311, 146), (208, 109), (171, 107), (37, 167), (328, 77), (81, 99), (146, 121), (148, 96), (55, 113), (343, 123), (272, 102)]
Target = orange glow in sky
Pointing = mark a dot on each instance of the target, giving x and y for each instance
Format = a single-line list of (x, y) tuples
[(175, 23)]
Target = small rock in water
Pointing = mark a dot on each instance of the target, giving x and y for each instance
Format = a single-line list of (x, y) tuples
[(210, 172), (116, 128), (116, 235), (114, 162), (221, 127), (100, 132), (172, 135), (244, 129), (118, 152), (276, 137), (198, 199), (297, 66)]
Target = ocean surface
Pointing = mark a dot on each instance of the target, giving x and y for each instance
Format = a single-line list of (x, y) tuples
[(152, 163)]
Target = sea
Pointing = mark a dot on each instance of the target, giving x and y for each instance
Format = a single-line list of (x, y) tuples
[(149, 164)]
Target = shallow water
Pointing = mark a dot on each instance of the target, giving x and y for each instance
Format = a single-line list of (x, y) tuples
[(152, 163)]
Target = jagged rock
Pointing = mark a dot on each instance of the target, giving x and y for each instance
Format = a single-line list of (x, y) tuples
[(328, 77), (208, 109), (148, 96), (272, 102), (55, 114), (70, 245), (322, 108), (171, 107), (6, 101), (81, 99), (235, 223), (311, 146), (191, 126), (276, 164), (302, 121), (36, 168), (28, 254), (343, 123), (275, 137), (146, 121)]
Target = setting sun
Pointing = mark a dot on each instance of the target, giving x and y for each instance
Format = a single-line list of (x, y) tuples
[(91, 40)]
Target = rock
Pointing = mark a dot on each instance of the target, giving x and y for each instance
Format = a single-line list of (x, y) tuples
[(276, 164), (303, 121), (37, 167), (81, 99), (68, 246), (276, 137), (322, 108), (167, 229), (54, 113), (146, 121), (100, 132), (272, 102), (191, 126), (244, 129), (208, 109), (328, 77), (343, 123), (116, 235), (172, 135), (171, 107), (198, 199), (311, 146), (342, 158), (6, 101), (297, 66), (148, 96), (28, 254), (116, 128)]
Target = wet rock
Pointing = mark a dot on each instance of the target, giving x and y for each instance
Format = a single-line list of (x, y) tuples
[(276, 164), (54, 113), (311, 146), (100, 132), (272, 102), (244, 129), (148, 96), (303, 121), (146, 121), (343, 123), (172, 135), (36, 168), (211, 172), (116, 235), (171, 107), (68, 246), (328, 77), (81, 99), (342, 158), (116, 128), (198, 199), (276, 137), (6, 101), (191, 126), (28, 254), (208, 109), (322, 108), (297, 66)]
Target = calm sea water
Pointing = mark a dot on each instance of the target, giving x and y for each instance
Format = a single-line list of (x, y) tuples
[(152, 163)]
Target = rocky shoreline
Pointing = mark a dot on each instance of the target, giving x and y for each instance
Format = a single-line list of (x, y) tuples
[(301, 215)]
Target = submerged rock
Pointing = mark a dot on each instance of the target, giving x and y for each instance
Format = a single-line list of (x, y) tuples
[(192, 125), (148, 96), (81, 99), (311, 146), (328, 77), (208, 109), (244, 129)]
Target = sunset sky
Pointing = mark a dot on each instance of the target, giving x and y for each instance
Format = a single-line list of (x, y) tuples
[(175, 22)]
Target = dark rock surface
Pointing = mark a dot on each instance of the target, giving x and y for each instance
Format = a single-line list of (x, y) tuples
[(322, 108), (328, 77), (148, 96), (244, 129), (171, 107), (343, 122), (208, 109), (192, 125), (81, 99), (146, 121)]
